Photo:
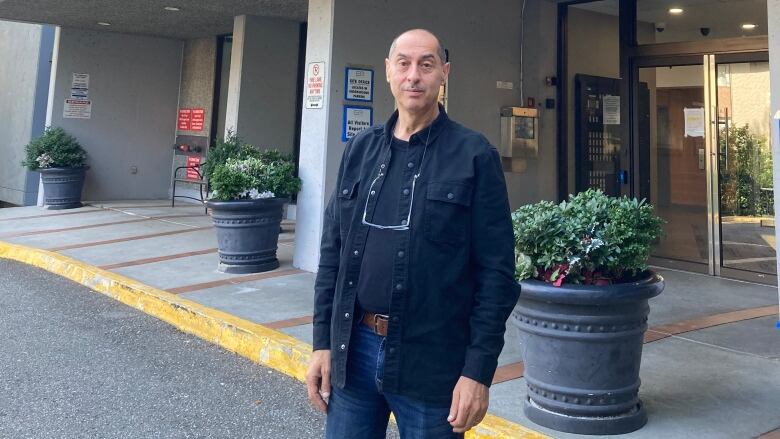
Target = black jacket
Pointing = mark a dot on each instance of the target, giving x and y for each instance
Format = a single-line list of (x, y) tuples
[(453, 287)]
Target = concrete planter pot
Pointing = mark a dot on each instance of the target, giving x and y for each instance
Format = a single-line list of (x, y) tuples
[(247, 233), (62, 187), (582, 347)]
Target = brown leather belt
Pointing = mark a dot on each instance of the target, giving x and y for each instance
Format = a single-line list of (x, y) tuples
[(377, 322)]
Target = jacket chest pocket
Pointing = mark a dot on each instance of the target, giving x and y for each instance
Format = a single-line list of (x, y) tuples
[(347, 202), (447, 212)]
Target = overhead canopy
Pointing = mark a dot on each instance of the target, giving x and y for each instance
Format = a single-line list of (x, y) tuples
[(195, 18)]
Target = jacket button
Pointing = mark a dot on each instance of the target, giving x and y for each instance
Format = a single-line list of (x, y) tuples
[(450, 196), (356, 253), (406, 191), (401, 254), (403, 223), (395, 319), (346, 315), (410, 165), (350, 283), (399, 287), (373, 192), (342, 347), (382, 166), (345, 191), (391, 350)]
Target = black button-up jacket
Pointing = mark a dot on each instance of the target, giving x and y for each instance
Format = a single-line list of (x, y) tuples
[(452, 278)]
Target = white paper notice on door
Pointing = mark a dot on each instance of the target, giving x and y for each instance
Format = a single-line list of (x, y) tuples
[(694, 122), (611, 106)]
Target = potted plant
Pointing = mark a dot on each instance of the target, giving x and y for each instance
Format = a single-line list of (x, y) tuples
[(62, 164), (250, 189), (582, 313)]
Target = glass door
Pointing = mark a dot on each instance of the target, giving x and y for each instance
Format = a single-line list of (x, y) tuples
[(704, 132), (744, 232)]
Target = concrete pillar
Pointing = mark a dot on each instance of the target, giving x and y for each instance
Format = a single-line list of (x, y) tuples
[(315, 147), (262, 96), (774, 68)]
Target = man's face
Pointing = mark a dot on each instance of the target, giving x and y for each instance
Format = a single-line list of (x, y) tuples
[(415, 72)]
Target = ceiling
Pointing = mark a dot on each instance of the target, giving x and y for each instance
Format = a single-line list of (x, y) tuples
[(197, 18)]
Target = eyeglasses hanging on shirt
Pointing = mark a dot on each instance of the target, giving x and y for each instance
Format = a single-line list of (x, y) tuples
[(408, 222)]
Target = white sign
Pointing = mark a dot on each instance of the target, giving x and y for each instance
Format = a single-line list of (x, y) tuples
[(359, 85), (79, 87), (315, 85), (356, 119), (77, 109), (694, 122), (611, 105)]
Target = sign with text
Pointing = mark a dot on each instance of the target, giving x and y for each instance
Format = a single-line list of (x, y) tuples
[(185, 119), (79, 86), (77, 109), (315, 85), (356, 119), (359, 85), (198, 118), (192, 173)]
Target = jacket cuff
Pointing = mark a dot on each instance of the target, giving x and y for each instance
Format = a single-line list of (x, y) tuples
[(480, 368), (321, 339)]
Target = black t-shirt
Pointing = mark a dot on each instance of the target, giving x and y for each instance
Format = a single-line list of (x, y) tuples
[(376, 270)]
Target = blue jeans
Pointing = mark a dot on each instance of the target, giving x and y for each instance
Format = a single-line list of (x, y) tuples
[(361, 410)]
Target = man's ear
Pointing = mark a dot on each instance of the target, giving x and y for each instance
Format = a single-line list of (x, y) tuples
[(446, 70), (387, 70)]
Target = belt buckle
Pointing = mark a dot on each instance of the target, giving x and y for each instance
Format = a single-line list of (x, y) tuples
[(376, 322)]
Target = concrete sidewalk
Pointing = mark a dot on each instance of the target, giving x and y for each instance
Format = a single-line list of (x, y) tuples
[(711, 365)]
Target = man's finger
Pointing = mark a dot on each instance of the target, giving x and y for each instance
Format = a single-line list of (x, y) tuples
[(463, 415), (312, 387), (325, 384), (454, 406)]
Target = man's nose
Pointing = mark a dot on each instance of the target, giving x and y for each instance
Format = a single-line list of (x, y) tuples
[(413, 74)]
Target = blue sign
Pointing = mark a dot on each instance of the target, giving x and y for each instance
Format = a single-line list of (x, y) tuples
[(356, 119)]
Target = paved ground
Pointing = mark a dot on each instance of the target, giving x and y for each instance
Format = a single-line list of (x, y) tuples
[(78, 364), (711, 368)]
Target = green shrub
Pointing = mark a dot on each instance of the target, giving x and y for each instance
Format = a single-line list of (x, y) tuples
[(589, 239), (271, 175), (54, 149), (230, 147)]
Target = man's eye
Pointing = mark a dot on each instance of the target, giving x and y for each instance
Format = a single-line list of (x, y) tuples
[(427, 65)]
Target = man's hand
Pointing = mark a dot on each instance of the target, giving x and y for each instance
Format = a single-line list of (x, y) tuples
[(469, 404), (318, 379)]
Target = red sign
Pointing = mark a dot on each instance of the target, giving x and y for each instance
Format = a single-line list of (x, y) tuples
[(198, 116), (192, 174), (185, 119)]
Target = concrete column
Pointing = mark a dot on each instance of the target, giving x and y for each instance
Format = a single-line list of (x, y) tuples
[(50, 100), (315, 146), (774, 69), (263, 81)]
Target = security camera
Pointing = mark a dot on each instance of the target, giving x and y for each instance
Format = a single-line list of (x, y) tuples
[(660, 27), (704, 31)]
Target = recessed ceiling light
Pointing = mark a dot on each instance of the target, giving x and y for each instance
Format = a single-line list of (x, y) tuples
[(749, 26), (172, 8), (103, 23), (676, 11)]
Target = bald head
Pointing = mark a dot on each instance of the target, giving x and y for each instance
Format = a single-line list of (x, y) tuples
[(417, 33)]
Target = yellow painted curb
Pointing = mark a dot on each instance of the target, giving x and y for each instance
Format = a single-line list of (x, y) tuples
[(262, 345)]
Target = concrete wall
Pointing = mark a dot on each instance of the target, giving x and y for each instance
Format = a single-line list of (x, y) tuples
[(134, 88), (23, 94), (484, 47), (197, 80), (262, 93)]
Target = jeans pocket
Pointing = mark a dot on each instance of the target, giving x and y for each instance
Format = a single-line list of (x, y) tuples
[(380, 365)]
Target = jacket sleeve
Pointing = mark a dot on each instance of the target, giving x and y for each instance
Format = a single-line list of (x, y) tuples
[(492, 262), (327, 273)]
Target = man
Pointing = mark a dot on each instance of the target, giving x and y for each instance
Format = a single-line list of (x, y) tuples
[(415, 280)]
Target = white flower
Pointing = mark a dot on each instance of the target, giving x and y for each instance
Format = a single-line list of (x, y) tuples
[(254, 194), (44, 160)]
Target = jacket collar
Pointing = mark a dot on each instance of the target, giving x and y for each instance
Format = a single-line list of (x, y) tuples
[(437, 126)]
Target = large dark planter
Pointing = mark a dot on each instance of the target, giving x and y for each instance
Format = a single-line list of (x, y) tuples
[(247, 233), (582, 346), (62, 187)]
